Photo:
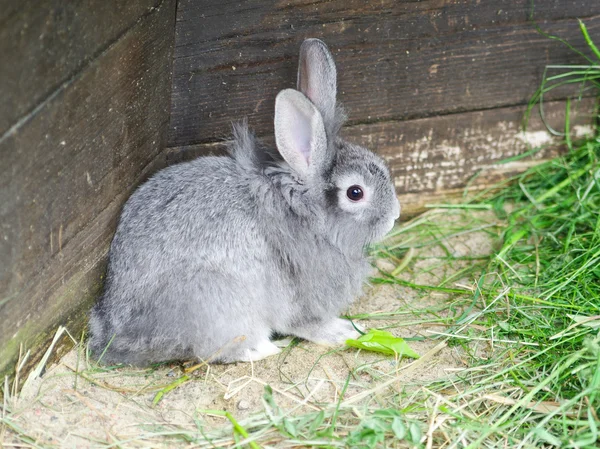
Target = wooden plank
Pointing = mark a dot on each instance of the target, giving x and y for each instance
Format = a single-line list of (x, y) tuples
[(396, 60), (65, 174), (43, 44), (433, 159), (214, 20)]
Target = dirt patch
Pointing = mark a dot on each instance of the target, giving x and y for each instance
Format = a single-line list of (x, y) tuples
[(76, 404)]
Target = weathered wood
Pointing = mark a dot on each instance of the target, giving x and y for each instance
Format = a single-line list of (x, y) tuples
[(396, 60), (433, 159), (44, 44), (67, 170)]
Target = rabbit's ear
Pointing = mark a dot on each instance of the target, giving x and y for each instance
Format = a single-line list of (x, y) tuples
[(317, 77), (300, 133)]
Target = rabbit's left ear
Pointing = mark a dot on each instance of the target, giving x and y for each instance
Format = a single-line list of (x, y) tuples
[(300, 133), (317, 77)]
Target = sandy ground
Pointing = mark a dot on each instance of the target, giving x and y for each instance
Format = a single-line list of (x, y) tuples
[(73, 404)]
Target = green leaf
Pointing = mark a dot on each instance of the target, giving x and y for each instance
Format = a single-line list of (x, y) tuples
[(588, 39), (415, 432), (586, 321), (399, 428), (290, 428), (384, 342), (547, 437), (316, 423), (271, 408), (171, 386)]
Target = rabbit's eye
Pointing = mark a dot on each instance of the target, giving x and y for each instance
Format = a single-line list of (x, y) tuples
[(355, 193)]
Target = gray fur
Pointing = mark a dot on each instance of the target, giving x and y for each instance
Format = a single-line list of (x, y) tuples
[(213, 256)]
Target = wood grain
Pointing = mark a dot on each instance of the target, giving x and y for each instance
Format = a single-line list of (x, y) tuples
[(65, 174), (44, 44), (396, 60)]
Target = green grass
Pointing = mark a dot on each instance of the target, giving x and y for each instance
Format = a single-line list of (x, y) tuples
[(547, 273), (540, 289)]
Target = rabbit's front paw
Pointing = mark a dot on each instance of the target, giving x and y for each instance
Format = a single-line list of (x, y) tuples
[(334, 332)]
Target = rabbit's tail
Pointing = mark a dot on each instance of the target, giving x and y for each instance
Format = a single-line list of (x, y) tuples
[(107, 347), (99, 330)]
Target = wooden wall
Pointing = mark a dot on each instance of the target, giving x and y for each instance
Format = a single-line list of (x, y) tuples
[(84, 108), (436, 86)]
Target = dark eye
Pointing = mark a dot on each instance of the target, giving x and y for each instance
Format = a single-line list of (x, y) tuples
[(354, 193)]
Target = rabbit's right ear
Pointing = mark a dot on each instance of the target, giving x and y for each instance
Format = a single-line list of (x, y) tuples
[(317, 77), (300, 133)]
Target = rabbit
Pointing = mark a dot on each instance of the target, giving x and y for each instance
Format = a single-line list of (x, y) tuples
[(214, 256)]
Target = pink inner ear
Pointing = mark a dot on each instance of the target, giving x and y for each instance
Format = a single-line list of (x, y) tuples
[(306, 83), (310, 92)]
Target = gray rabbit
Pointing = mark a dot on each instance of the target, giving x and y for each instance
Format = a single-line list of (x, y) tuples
[(213, 256)]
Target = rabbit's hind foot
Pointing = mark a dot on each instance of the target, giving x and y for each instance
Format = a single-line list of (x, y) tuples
[(261, 349)]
